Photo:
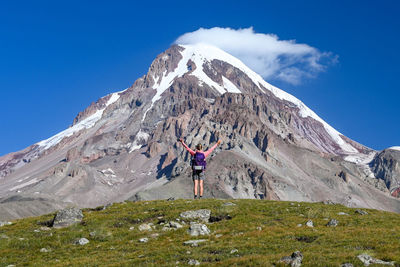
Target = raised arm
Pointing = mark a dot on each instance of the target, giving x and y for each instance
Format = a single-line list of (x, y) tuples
[(208, 152), (187, 148)]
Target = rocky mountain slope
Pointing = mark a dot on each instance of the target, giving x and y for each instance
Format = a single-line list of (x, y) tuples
[(124, 145)]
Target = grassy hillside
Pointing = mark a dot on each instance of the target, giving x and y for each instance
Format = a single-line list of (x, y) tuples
[(261, 231)]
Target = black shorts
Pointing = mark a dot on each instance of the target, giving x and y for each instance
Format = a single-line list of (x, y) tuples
[(198, 175)]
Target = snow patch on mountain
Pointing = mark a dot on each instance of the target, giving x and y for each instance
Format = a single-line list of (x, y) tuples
[(87, 123), (229, 86), (395, 148), (361, 159), (140, 138)]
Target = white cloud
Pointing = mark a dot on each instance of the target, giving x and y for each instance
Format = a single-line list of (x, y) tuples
[(264, 53)]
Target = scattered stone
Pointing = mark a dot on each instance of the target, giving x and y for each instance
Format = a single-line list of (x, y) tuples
[(259, 228), (361, 212), (106, 206), (202, 214), (333, 223), (193, 262), (155, 235), (175, 225), (342, 213), (92, 234), (21, 238), (45, 250), (67, 217), (5, 223), (45, 228), (218, 235), (194, 243), (299, 225), (328, 202), (144, 240), (196, 229), (81, 241), (229, 204), (218, 218), (294, 260), (367, 260), (346, 265), (36, 231), (4, 236), (131, 228), (310, 223), (233, 251), (11, 265), (146, 227), (188, 252)]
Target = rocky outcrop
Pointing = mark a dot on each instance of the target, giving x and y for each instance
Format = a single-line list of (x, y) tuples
[(386, 166), (67, 217)]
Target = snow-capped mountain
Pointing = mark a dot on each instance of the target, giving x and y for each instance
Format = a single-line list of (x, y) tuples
[(124, 145)]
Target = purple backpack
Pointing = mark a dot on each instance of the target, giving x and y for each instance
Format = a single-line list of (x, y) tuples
[(199, 161)]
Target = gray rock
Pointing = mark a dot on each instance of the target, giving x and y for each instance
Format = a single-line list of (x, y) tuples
[(367, 260), (196, 229), (194, 243), (144, 240), (175, 225), (233, 251), (310, 223), (294, 260), (342, 213), (346, 265), (146, 227), (5, 223), (218, 235), (67, 217), (333, 223), (229, 204), (193, 262), (202, 214), (81, 241), (155, 235), (361, 212), (45, 250)]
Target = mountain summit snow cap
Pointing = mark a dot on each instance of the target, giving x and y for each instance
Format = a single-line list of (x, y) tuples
[(266, 54)]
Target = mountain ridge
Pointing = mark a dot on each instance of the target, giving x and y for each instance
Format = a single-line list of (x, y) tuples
[(192, 91)]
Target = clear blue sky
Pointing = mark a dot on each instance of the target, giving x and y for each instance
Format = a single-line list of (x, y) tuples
[(56, 57)]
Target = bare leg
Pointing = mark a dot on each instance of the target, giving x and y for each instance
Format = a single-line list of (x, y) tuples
[(201, 187), (196, 183)]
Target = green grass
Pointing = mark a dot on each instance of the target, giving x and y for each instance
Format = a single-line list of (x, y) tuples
[(113, 244)]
